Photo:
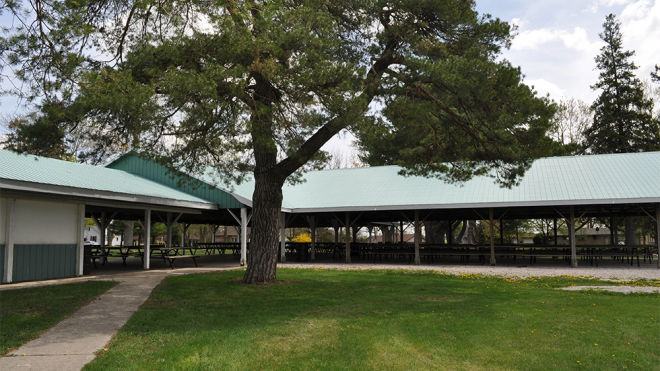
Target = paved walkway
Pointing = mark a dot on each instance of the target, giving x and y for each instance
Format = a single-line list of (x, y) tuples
[(72, 343)]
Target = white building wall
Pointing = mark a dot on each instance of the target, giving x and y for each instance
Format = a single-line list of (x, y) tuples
[(3, 220), (38, 222)]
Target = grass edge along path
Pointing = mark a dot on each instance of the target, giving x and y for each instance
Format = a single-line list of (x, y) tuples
[(27, 313), (394, 320)]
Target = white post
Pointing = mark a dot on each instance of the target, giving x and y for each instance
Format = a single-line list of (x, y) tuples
[(571, 233), (147, 238), (348, 237), (9, 245), (183, 232), (282, 238), (80, 251), (657, 222), (313, 257), (312, 225), (244, 222), (418, 237), (168, 242), (103, 231), (492, 237)]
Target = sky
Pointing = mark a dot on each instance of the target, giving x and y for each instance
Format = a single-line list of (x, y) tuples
[(555, 45), (557, 41)]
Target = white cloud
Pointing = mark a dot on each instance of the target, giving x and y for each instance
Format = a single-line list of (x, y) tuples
[(593, 7), (544, 87), (640, 26), (577, 40)]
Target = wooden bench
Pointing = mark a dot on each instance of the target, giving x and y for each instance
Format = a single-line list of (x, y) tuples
[(172, 258)]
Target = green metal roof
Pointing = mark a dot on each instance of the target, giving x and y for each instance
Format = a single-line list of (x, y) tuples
[(207, 189), (595, 179), (52, 172)]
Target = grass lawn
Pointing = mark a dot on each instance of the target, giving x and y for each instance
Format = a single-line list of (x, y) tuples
[(26, 313), (392, 320)]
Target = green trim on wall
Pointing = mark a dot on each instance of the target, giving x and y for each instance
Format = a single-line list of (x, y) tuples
[(158, 173), (41, 262), (2, 262)]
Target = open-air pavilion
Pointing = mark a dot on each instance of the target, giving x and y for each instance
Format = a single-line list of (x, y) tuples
[(609, 187)]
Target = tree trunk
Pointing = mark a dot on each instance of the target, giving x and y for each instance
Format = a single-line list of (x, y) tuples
[(128, 232), (436, 231), (267, 204), (459, 238)]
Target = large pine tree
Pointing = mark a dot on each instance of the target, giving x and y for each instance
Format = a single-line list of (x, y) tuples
[(623, 119)]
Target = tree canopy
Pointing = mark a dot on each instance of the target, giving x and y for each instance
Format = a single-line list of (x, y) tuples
[(623, 120), (256, 88)]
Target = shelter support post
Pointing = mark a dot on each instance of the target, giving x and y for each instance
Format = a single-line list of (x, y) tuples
[(168, 242), (244, 223), (9, 242), (370, 228), (450, 231), (555, 229), (417, 237), (103, 227), (571, 233), (657, 223), (348, 240), (492, 237), (312, 225), (282, 238), (401, 231), (147, 238), (80, 250)]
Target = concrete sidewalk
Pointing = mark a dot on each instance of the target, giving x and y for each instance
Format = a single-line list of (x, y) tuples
[(72, 343)]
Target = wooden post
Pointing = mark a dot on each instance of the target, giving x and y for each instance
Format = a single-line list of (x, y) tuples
[(450, 232), (501, 222), (313, 253), (555, 228), (9, 242), (312, 225), (657, 222), (370, 227), (80, 251), (492, 237), (147, 238), (183, 233), (244, 222), (571, 236), (168, 241), (348, 240), (418, 237), (401, 230), (102, 228), (282, 238)]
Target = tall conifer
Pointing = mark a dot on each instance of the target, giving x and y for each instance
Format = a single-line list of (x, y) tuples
[(623, 119)]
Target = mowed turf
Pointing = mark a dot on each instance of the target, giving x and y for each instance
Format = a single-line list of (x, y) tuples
[(25, 313), (386, 320)]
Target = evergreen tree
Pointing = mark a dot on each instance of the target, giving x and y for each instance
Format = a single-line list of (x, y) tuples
[(256, 88), (623, 119)]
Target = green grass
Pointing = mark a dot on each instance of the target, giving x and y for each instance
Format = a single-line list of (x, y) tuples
[(385, 320), (26, 313)]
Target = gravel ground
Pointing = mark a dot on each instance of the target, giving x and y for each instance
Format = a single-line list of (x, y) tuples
[(611, 273), (623, 289)]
